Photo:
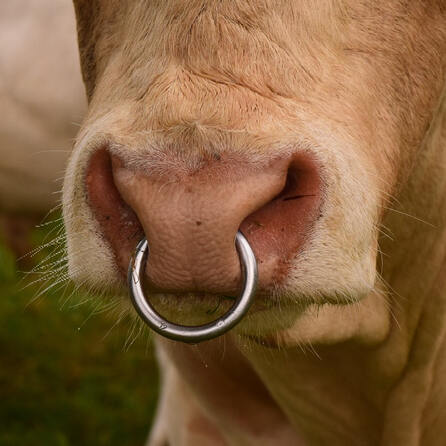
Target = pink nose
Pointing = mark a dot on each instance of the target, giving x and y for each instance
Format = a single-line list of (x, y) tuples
[(190, 218)]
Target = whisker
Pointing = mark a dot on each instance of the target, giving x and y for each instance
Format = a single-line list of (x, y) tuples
[(410, 216)]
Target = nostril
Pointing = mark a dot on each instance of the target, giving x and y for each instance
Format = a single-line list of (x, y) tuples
[(290, 185), (279, 229), (293, 189), (117, 220)]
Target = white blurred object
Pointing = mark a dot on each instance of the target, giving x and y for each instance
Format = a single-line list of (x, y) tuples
[(42, 101)]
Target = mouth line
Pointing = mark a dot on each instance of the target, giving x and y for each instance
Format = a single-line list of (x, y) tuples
[(210, 304), (269, 342)]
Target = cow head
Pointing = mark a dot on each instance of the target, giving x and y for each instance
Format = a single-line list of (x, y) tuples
[(294, 121)]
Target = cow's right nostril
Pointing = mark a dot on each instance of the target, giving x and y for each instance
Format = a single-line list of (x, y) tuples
[(117, 221)]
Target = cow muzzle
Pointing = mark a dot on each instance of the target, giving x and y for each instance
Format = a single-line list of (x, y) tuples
[(195, 221)]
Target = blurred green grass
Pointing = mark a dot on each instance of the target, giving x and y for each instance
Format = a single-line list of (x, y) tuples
[(63, 381)]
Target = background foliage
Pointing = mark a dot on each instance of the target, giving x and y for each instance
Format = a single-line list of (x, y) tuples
[(67, 377)]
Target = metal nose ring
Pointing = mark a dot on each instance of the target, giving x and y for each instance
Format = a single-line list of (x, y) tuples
[(198, 333)]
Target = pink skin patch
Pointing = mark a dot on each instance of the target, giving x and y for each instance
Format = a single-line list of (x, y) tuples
[(276, 225)]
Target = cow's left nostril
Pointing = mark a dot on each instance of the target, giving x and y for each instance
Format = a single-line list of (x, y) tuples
[(278, 230)]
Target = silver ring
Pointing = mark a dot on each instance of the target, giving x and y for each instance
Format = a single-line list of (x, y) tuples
[(198, 333)]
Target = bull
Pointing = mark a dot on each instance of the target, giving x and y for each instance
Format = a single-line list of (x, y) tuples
[(318, 130)]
